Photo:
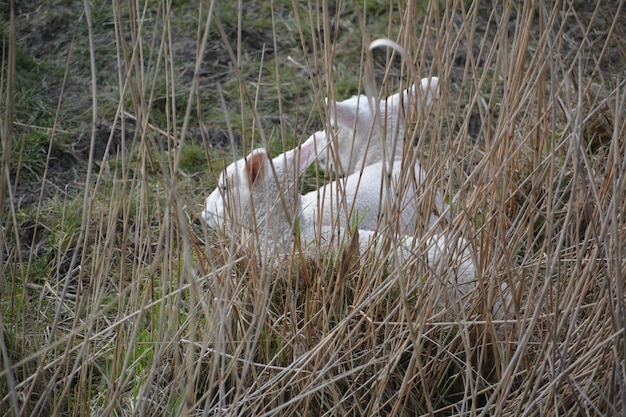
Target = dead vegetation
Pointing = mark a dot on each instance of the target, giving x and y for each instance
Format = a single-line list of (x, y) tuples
[(116, 301)]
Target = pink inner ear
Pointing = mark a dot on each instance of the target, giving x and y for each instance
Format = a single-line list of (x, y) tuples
[(255, 167)]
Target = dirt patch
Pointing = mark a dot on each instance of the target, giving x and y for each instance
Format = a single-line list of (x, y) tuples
[(216, 138), (60, 180), (107, 140), (215, 64)]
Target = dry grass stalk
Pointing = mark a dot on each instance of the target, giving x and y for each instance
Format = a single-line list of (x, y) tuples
[(145, 313)]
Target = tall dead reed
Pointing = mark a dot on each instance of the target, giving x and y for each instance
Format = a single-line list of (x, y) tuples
[(139, 310)]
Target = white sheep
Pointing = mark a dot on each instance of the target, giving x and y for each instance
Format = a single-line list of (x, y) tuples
[(259, 196), (265, 190)]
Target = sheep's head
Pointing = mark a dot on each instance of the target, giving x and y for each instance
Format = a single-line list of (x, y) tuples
[(234, 189), (258, 191)]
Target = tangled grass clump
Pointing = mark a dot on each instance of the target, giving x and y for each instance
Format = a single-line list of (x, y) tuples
[(116, 300)]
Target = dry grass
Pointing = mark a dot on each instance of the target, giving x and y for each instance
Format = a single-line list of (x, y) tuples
[(115, 301)]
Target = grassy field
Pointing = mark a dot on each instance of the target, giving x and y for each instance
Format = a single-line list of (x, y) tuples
[(115, 300)]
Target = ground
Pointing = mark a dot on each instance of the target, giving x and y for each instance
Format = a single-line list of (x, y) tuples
[(53, 72), (535, 176)]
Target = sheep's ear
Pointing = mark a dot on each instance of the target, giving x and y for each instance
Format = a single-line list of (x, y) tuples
[(309, 149), (430, 88), (424, 93), (348, 115), (342, 115), (330, 108), (256, 166)]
